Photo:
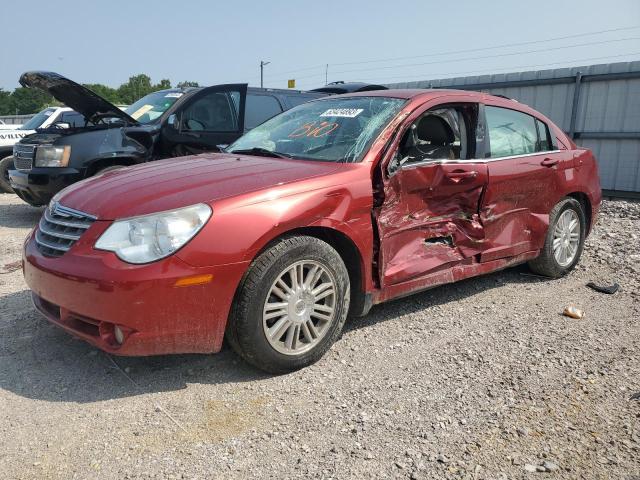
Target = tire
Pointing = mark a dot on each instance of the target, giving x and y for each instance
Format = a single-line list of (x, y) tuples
[(550, 263), (108, 169), (6, 164), (251, 317)]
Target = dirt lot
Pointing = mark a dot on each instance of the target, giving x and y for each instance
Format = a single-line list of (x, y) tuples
[(482, 379)]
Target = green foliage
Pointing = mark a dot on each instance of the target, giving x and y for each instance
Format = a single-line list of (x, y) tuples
[(4, 103), (24, 101), (186, 84), (31, 100), (108, 93)]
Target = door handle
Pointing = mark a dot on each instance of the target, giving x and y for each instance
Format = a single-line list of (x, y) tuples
[(457, 176), (549, 162)]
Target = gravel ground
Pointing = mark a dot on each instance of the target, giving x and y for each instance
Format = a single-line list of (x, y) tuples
[(483, 379)]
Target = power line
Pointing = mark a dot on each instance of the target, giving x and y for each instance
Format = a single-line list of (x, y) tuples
[(452, 52), (455, 60), (519, 66)]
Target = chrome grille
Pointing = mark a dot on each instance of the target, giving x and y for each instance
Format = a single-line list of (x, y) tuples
[(59, 228), (23, 155)]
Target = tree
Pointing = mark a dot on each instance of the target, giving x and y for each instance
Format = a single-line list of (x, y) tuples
[(29, 100), (163, 85), (5, 108), (186, 84), (136, 87), (108, 93)]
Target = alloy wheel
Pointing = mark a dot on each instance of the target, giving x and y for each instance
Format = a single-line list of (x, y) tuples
[(566, 238), (300, 307)]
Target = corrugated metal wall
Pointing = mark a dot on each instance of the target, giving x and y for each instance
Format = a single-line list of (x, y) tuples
[(599, 105)]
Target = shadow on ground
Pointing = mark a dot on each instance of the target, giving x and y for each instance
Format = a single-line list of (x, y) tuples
[(41, 361)]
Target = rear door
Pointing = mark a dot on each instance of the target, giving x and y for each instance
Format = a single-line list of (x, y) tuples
[(428, 221), (211, 117), (524, 168)]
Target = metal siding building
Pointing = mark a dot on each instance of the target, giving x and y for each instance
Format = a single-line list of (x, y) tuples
[(599, 105)]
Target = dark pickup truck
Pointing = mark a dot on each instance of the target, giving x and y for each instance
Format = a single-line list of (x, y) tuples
[(166, 123)]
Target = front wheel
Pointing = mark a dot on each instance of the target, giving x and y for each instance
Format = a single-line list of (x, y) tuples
[(291, 305), (6, 164), (564, 241)]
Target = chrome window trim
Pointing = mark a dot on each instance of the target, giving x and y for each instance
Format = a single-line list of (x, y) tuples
[(473, 160)]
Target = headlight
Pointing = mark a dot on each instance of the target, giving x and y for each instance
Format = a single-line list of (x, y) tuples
[(52, 156), (152, 237)]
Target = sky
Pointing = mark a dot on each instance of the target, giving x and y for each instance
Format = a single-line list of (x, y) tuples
[(215, 42)]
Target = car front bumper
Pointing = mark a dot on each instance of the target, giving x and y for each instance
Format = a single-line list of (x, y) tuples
[(38, 185), (88, 292)]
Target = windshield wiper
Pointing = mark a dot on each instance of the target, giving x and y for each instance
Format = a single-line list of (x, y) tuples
[(260, 151)]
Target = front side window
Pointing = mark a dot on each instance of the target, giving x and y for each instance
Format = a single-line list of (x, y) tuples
[(335, 129), (260, 108), (510, 132), (213, 112), (443, 133), (152, 106)]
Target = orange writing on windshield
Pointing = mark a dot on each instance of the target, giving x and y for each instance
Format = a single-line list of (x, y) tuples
[(314, 129)]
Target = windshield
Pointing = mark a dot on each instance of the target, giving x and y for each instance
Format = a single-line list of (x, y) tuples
[(38, 119), (335, 129), (152, 106)]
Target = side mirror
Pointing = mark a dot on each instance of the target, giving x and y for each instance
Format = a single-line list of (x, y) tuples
[(172, 121), (222, 147), (62, 125)]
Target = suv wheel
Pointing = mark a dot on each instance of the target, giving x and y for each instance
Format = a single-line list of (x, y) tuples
[(6, 164), (291, 305)]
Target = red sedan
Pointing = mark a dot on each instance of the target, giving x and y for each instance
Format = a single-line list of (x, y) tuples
[(324, 210)]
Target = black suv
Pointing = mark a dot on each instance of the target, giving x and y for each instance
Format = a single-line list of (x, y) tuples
[(167, 123)]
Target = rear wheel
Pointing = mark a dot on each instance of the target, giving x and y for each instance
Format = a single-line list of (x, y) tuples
[(291, 305), (564, 241), (6, 164)]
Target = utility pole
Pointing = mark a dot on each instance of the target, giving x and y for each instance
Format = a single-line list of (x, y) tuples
[(262, 64), (326, 75)]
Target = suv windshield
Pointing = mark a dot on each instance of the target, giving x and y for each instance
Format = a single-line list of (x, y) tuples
[(152, 106), (38, 119), (335, 129)]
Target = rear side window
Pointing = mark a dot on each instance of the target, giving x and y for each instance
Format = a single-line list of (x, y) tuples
[(74, 119), (259, 109), (544, 139), (510, 132)]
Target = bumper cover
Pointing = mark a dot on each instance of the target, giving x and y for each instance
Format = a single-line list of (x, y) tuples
[(87, 292), (39, 185)]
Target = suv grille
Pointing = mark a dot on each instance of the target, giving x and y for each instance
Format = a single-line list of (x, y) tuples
[(23, 156), (59, 228)]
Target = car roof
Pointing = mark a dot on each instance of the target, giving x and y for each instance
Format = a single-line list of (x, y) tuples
[(427, 93)]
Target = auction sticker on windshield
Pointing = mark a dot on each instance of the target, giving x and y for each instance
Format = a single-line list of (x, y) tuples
[(141, 111), (342, 112)]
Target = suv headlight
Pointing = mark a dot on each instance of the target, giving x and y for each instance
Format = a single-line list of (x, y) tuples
[(52, 156), (151, 237)]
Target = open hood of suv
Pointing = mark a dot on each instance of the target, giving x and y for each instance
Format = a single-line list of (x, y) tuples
[(73, 95)]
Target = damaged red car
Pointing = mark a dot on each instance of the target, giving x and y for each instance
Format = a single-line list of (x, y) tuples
[(323, 211)]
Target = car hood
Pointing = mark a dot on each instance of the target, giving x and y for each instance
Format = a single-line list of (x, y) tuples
[(179, 182), (73, 95)]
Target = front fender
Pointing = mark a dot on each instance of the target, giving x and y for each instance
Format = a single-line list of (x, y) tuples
[(239, 230)]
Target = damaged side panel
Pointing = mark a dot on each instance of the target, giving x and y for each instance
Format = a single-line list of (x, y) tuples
[(429, 220)]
